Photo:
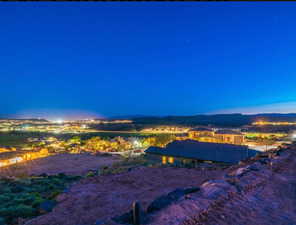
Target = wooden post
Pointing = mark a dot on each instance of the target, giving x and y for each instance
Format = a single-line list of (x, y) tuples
[(136, 213)]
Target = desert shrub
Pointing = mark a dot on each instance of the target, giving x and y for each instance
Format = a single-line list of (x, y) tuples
[(113, 170), (12, 212), (92, 173), (24, 198), (127, 164)]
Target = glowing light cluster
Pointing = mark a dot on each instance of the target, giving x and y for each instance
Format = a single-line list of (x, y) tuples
[(25, 157), (264, 123)]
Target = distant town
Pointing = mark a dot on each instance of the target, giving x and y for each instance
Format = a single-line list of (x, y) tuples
[(40, 159), (34, 138)]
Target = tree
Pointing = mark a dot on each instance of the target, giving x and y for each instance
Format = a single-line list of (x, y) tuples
[(93, 144), (159, 140), (75, 140)]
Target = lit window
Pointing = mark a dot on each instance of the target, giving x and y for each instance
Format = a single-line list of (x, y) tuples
[(171, 159), (164, 160)]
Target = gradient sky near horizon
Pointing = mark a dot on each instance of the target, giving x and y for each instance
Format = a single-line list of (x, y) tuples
[(170, 58)]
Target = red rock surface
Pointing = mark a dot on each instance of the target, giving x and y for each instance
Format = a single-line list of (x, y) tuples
[(261, 191), (71, 164), (103, 197), (263, 195)]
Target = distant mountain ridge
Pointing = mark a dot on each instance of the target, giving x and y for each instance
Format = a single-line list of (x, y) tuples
[(223, 120), (235, 119), (30, 119), (126, 117)]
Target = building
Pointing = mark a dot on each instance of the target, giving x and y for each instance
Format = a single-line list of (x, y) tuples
[(193, 152), (220, 136), (229, 136), (9, 158), (200, 132), (181, 137)]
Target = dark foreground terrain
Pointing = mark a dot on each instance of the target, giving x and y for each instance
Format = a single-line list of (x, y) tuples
[(258, 191), (102, 198)]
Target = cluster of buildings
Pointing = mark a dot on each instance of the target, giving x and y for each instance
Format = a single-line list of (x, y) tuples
[(237, 137), (10, 158), (270, 123), (216, 136), (38, 126), (204, 144), (166, 129), (200, 144), (57, 126), (12, 125)]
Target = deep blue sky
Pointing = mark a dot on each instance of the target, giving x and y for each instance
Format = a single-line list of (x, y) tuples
[(145, 58)]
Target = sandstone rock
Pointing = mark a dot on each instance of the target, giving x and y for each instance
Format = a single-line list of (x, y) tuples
[(215, 188), (241, 171), (255, 166), (165, 200)]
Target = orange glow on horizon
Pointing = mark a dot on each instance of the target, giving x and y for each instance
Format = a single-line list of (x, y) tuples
[(281, 123)]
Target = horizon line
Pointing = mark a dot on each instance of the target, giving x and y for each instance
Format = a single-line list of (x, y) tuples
[(142, 116)]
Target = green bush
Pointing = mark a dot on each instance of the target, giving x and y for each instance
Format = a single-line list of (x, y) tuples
[(16, 211), (90, 174), (24, 197)]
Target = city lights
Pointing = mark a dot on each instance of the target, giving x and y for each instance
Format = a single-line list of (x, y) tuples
[(294, 136), (55, 126), (281, 123), (59, 121)]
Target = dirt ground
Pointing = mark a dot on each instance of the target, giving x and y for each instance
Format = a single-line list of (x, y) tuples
[(265, 195), (70, 164), (101, 198)]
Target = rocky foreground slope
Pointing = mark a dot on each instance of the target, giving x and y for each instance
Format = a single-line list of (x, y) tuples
[(259, 191), (106, 199)]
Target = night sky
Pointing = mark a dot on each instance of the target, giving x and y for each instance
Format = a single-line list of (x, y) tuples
[(112, 59)]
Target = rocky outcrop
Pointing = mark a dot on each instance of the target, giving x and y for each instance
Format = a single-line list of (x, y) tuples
[(257, 191), (108, 199), (251, 193)]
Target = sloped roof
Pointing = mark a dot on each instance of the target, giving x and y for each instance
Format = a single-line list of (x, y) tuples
[(205, 151), (228, 132)]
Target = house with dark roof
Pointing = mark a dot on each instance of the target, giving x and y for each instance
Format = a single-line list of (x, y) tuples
[(192, 152)]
